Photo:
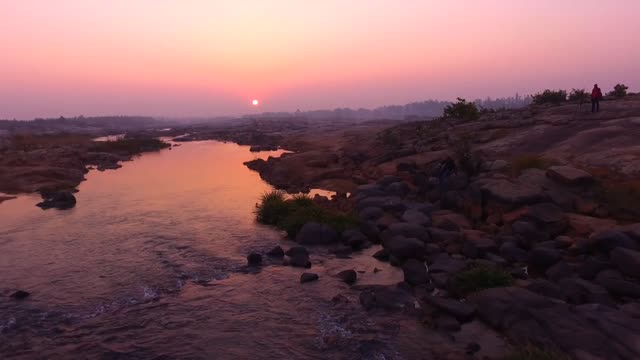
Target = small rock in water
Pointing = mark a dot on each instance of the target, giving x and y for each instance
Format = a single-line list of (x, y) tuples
[(297, 250), (254, 259), (348, 276), (376, 270), (276, 252), (20, 294), (308, 277), (300, 260)]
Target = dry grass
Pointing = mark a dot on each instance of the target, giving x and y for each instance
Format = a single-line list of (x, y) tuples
[(529, 161)]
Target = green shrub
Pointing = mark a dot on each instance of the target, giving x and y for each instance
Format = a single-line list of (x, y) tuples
[(531, 352), (529, 161), (468, 159), (462, 110), (550, 97), (479, 278), (619, 91), (291, 214), (578, 95)]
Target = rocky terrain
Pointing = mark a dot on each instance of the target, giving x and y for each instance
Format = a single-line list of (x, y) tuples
[(535, 239), (49, 163)]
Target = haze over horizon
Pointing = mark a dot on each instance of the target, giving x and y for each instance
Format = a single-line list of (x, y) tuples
[(203, 58)]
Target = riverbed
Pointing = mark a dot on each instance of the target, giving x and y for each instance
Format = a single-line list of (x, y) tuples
[(151, 264)]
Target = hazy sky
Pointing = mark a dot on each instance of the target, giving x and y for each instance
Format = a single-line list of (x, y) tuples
[(207, 57)]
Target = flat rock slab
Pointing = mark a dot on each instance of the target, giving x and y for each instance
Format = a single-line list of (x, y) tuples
[(569, 175), (584, 332), (461, 311), (513, 193)]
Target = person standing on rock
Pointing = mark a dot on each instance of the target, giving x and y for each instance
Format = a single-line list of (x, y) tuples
[(596, 95)]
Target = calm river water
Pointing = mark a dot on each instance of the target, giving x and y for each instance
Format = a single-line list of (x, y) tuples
[(150, 264)]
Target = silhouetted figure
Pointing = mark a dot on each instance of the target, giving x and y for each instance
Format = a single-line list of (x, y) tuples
[(447, 168), (596, 95)]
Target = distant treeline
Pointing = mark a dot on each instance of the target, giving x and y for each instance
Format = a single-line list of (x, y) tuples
[(79, 124), (414, 110)]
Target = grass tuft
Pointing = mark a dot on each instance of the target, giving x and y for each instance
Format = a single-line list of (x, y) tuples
[(479, 278), (531, 352), (292, 214), (529, 161)]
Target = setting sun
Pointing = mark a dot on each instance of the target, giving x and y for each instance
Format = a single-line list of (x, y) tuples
[(255, 102)]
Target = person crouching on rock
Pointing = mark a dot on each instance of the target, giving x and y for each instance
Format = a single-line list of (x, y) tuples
[(596, 95), (447, 168)]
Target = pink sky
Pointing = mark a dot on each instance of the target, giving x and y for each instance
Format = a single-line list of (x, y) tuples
[(206, 57)]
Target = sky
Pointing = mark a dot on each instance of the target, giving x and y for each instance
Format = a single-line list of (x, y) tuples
[(206, 57)]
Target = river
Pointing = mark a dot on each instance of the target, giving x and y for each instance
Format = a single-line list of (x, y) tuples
[(150, 264)]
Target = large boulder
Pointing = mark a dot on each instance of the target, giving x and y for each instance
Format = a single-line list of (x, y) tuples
[(383, 297), (413, 216), (308, 277), (60, 200), (370, 213), (348, 276), (569, 175), (477, 243), (541, 258), (583, 332), (528, 234), (548, 217), (316, 234), (579, 291), (408, 230), (415, 272), (617, 285), (460, 310), (443, 263), (404, 248), (607, 240), (512, 193), (627, 261)]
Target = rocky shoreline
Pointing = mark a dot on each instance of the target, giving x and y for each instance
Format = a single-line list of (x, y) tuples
[(536, 253)]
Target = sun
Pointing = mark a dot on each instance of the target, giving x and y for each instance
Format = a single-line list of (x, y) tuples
[(255, 102)]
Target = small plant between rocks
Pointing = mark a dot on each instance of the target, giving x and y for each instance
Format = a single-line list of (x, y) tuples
[(292, 214), (531, 352), (479, 278)]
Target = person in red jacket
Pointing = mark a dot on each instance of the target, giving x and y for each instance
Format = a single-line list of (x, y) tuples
[(596, 95)]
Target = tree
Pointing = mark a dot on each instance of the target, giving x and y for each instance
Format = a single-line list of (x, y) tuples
[(578, 95), (550, 97), (462, 110), (619, 91)]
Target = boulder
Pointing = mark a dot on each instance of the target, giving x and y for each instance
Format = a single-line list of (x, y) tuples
[(348, 276), (585, 225), (583, 332), (617, 285), (388, 180), (370, 213), (513, 253), (254, 259), (60, 200), (578, 291), (511, 193), (627, 261), (355, 239), (405, 248), (547, 288), (591, 266), (443, 263), (371, 231), (415, 272), (548, 217), (407, 230), (297, 250), (276, 252), (559, 270), (460, 310), (382, 255), (308, 277), (384, 297), (444, 322), (444, 236), (20, 295), (477, 243), (607, 240), (569, 175), (316, 234), (542, 258), (399, 188), (447, 220), (413, 216), (528, 234)]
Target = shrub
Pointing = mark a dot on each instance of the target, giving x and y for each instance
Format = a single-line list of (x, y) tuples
[(619, 91), (479, 278), (468, 159), (291, 214), (550, 97), (620, 197), (529, 161), (462, 110), (389, 139), (130, 145), (578, 95), (531, 352)]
